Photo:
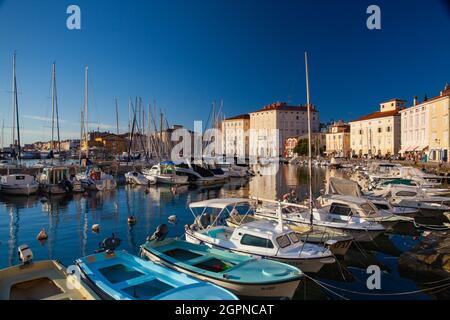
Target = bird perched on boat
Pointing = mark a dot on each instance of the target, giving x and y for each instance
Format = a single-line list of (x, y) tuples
[(131, 220), (42, 235)]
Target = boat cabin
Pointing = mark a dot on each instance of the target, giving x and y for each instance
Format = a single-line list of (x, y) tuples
[(54, 175), (348, 205), (22, 179)]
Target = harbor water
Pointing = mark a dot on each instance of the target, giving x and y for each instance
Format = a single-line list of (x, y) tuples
[(68, 221)]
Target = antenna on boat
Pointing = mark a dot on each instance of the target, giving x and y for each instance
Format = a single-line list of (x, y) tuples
[(308, 106)]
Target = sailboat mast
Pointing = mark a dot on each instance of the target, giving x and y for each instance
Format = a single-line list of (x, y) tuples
[(16, 106), (57, 110), (308, 106), (86, 107), (13, 102), (52, 145), (3, 133), (117, 117)]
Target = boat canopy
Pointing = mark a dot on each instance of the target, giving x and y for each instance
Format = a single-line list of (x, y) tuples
[(167, 163), (219, 203), (343, 187)]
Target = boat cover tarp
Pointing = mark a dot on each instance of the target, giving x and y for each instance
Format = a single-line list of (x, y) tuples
[(343, 187)]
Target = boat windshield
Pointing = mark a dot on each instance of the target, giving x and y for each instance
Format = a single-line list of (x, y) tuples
[(284, 241), (369, 208), (294, 237)]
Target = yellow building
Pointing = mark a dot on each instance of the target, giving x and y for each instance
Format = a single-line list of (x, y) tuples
[(273, 124), (439, 125), (378, 133), (235, 136), (338, 140)]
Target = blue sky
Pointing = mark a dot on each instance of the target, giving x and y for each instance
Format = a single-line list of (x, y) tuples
[(185, 54)]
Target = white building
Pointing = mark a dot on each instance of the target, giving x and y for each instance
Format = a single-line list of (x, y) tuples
[(415, 123), (273, 124), (378, 133), (235, 136)]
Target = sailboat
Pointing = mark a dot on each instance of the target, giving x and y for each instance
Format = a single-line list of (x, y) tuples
[(17, 184), (93, 179), (56, 179)]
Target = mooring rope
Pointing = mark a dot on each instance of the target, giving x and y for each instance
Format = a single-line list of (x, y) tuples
[(328, 286)]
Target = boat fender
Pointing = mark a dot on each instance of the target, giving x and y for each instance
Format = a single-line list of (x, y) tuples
[(42, 235), (160, 233), (25, 254), (96, 228), (132, 220), (173, 219)]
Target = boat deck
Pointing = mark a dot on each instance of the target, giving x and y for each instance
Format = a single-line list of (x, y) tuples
[(42, 280)]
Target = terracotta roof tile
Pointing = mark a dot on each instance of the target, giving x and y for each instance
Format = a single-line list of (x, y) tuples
[(378, 114), (241, 116)]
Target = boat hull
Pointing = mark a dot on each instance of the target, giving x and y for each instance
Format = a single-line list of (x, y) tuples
[(16, 190), (275, 290), (53, 189), (310, 265)]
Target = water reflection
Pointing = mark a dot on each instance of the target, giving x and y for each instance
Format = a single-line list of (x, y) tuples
[(69, 219)]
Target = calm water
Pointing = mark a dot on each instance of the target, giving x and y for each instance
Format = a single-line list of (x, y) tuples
[(68, 222)]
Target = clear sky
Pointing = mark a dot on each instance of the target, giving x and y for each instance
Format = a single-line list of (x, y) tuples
[(186, 53)]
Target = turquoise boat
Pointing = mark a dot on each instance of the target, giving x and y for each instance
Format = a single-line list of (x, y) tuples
[(122, 276), (245, 276)]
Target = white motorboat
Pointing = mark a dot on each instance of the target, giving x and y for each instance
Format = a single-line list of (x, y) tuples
[(359, 228), (18, 184), (262, 238), (95, 179), (196, 174), (336, 240), (412, 197), (345, 187), (165, 173), (137, 178), (361, 207)]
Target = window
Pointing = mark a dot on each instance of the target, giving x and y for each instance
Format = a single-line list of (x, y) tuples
[(388, 129), (294, 237), (368, 208), (379, 130), (254, 241), (341, 209), (283, 241)]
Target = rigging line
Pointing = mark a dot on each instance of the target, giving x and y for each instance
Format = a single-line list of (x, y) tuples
[(385, 294), (319, 284)]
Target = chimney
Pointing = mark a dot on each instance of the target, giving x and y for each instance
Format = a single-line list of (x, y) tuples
[(415, 101)]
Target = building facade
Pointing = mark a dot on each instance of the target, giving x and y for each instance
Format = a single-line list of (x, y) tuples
[(439, 126), (273, 124), (378, 133), (338, 140), (235, 136)]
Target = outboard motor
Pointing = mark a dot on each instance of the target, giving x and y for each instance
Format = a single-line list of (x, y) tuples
[(25, 254), (109, 244), (160, 233)]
